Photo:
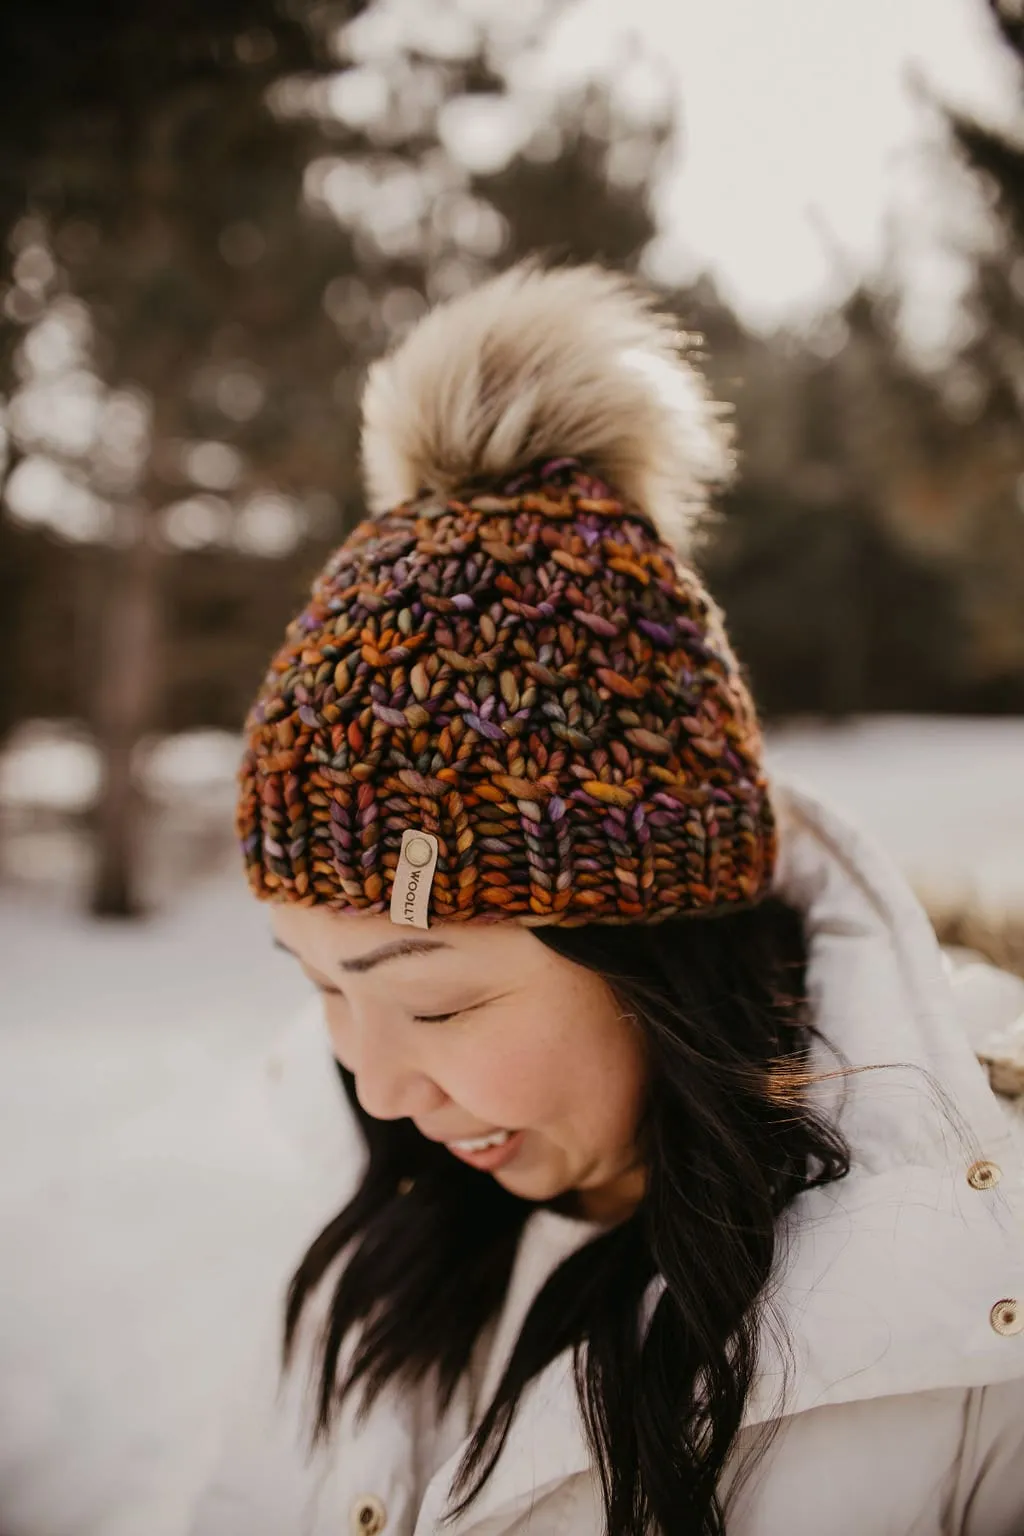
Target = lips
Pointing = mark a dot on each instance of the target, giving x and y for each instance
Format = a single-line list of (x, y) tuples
[(490, 1156)]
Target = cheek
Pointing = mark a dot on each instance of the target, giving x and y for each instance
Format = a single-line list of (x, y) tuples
[(505, 1079), (595, 1077), (606, 1084), (577, 1077)]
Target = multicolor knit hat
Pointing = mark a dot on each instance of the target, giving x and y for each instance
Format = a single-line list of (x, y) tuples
[(509, 695)]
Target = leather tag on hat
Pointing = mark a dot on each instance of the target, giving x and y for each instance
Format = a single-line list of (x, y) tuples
[(410, 894)]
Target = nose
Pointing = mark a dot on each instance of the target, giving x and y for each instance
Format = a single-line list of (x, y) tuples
[(388, 1086), (397, 1095)]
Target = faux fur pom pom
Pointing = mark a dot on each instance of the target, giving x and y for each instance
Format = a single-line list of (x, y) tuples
[(544, 363)]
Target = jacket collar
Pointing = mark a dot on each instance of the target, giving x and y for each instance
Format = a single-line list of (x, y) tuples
[(884, 1282)]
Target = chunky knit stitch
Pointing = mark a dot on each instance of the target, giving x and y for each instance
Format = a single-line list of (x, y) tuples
[(528, 672)]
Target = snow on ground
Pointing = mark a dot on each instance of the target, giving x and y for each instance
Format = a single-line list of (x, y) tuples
[(149, 1203), (946, 797)]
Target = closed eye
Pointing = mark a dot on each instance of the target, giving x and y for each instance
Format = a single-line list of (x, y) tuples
[(418, 1018)]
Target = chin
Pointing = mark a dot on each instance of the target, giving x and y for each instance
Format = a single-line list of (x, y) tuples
[(536, 1185)]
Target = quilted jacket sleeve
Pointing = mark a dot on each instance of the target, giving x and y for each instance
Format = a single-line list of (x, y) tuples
[(990, 1486), (941, 1463)]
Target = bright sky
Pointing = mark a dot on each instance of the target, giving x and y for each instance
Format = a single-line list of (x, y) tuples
[(805, 151)]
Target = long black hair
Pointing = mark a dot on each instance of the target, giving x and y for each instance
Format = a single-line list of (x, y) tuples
[(728, 1141)]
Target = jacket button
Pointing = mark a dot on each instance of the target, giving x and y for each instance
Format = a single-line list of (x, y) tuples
[(1007, 1316), (983, 1175), (368, 1516)]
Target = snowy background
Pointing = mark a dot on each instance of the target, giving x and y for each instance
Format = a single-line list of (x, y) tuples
[(150, 1203)]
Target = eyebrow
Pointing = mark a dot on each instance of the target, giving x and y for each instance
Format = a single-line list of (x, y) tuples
[(397, 949)]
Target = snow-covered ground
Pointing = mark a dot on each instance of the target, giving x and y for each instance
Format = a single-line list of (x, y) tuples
[(148, 1205), (144, 1202), (946, 797)]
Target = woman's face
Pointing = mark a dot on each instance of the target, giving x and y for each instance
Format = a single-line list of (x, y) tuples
[(475, 1030)]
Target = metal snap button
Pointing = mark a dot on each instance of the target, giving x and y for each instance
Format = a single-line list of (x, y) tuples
[(1007, 1316), (984, 1175), (368, 1515)]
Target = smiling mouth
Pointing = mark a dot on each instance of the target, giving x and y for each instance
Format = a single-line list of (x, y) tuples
[(487, 1153), (481, 1143)]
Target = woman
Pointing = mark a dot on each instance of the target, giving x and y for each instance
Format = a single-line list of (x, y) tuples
[(684, 1204)]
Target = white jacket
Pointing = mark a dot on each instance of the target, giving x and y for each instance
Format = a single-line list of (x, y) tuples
[(900, 1288)]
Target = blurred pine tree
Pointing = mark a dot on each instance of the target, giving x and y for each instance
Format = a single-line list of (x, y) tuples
[(131, 148), (987, 389)]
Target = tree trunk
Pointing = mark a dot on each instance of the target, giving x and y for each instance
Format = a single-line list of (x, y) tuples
[(124, 710)]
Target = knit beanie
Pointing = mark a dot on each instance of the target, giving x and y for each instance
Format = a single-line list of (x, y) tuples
[(509, 694)]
